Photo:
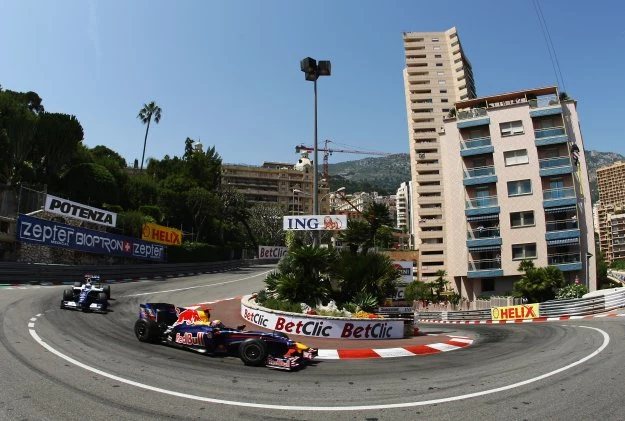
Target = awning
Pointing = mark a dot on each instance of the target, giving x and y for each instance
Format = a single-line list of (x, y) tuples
[(561, 209), (484, 248), (562, 241), (483, 217)]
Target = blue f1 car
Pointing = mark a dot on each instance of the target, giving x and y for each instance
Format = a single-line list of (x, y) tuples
[(190, 328), (89, 295)]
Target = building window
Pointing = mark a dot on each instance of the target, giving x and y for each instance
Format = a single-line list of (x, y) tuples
[(440, 73), (439, 64), (445, 110), (516, 157), (519, 188), (444, 100), (511, 128), (522, 219), (437, 47), (434, 39), (438, 55), (488, 285), (523, 251), (441, 82), (443, 91)]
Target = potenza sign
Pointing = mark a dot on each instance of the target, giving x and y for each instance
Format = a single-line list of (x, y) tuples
[(71, 209), (314, 222), (54, 234)]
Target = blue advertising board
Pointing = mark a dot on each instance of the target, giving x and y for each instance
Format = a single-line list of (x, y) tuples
[(54, 234)]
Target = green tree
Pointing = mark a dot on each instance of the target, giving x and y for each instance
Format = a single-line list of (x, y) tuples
[(538, 284), (356, 235), (57, 137), (302, 275), (371, 273), (146, 114), (265, 222), (90, 183), (18, 128), (418, 290)]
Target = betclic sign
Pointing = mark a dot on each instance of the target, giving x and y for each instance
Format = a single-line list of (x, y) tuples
[(160, 234), (314, 222), (85, 213)]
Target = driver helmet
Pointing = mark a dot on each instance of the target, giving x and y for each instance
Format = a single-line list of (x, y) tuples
[(217, 323)]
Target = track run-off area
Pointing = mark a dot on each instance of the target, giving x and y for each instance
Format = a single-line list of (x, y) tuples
[(65, 365)]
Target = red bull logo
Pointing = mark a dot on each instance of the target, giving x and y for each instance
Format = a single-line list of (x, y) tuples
[(187, 315)]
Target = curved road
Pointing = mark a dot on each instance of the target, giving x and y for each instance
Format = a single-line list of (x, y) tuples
[(67, 365)]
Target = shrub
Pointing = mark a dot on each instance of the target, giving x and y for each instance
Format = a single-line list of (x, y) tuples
[(571, 291)]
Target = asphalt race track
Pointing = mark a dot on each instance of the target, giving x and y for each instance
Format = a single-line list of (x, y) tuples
[(67, 365)]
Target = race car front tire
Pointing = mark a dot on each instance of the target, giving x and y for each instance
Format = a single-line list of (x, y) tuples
[(68, 294), (253, 352), (146, 330), (107, 291)]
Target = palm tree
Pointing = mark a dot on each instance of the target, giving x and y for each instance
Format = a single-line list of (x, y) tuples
[(145, 115)]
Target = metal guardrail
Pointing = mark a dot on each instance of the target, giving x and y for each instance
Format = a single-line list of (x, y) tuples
[(555, 308), (32, 273)]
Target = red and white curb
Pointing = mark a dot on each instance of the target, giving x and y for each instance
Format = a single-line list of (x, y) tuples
[(454, 343), (516, 321)]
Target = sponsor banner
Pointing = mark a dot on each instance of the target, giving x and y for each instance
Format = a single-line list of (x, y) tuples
[(86, 213), (325, 327), (54, 234), (271, 252), (314, 222), (160, 234), (526, 311), (405, 268)]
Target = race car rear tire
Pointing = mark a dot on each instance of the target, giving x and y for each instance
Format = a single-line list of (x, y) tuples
[(146, 330), (107, 291), (253, 352), (68, 294), (77, 284)]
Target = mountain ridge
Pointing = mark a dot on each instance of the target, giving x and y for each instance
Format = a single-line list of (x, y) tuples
[(385, 174)]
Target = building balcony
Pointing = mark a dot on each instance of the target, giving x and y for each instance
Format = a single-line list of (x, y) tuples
[(561, 229), (476, 146), (566, 262), (555, 166), (481, 206), (479, 175), (485, 268), (472, 117), (545, 105), (482, 237), (550, 136), (559, 197)]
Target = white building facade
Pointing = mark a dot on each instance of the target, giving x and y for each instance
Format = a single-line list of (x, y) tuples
[(516, 187)]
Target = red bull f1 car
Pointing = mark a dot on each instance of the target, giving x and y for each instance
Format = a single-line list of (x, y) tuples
[(190, 328)]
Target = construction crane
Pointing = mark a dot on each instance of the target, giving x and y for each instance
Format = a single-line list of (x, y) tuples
[(327, 152)]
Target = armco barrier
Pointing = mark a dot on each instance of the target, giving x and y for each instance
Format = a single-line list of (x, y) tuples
[(32, 273), (611, 300)]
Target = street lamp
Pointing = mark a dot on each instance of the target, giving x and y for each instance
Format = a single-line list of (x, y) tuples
[(588, 256), (312, 71)]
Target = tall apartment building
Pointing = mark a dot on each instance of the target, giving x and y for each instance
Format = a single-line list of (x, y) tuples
[(402, 205), (516, 187), (610, 181), (437, 74), (289, 185)]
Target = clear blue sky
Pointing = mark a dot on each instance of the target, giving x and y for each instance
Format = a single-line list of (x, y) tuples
[(227, 72)]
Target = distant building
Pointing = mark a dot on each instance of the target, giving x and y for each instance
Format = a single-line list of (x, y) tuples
[(516, 187), (437, 74), (289, 185), (610, 181)]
